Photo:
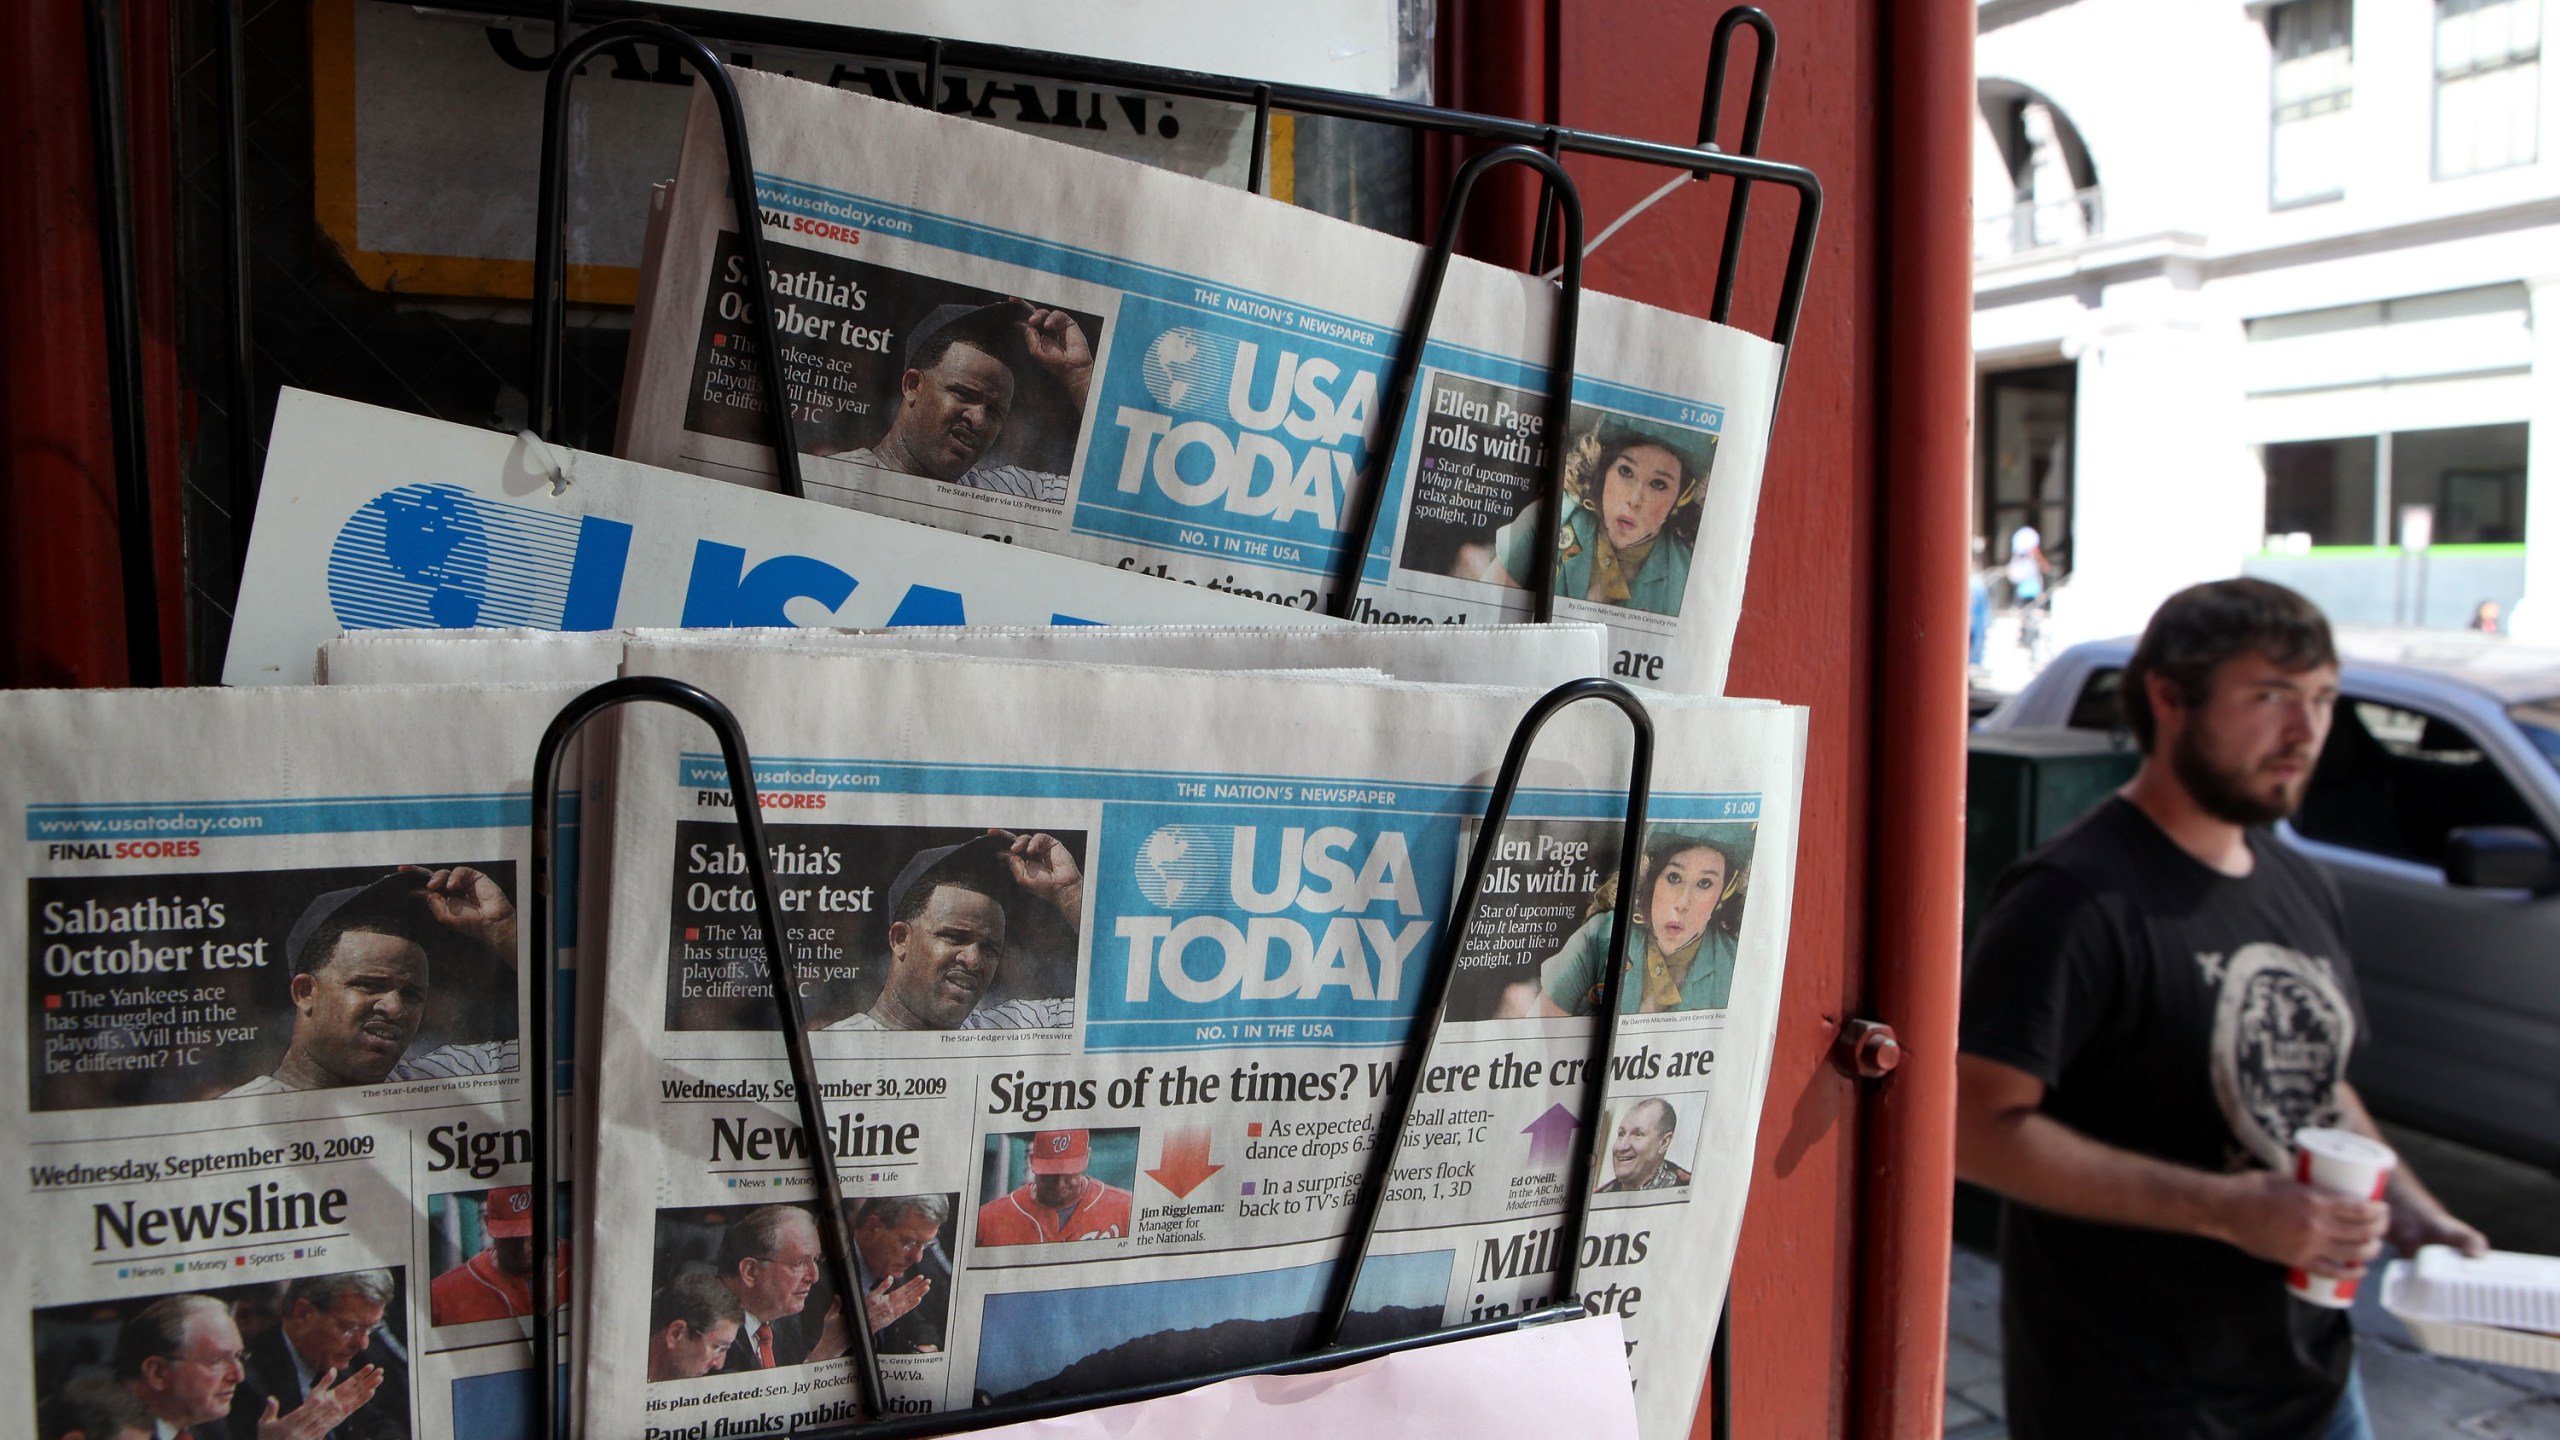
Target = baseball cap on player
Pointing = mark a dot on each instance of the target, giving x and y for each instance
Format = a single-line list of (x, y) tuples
[(396, 896), (1058, 1152), (981, 857), (508, 1212), (993, 328)]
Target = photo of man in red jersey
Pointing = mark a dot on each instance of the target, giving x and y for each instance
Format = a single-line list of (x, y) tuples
[(1060, 1201), (497, 1281)]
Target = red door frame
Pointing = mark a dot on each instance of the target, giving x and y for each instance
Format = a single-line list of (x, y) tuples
[(1854, 609), (61, 598)]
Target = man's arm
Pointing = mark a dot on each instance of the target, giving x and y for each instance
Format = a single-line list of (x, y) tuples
[(888, 1302), (2417, 1217), (330, 1402), (2005, 1142), (470, 904), (833, 1337), (1058, 345), (1044, 867)]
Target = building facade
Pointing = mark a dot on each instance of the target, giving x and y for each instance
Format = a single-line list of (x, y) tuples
[(2271, 289)]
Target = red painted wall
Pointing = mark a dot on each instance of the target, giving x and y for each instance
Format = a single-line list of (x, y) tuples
[(1638, 67), (61, 596), (1853, 610)]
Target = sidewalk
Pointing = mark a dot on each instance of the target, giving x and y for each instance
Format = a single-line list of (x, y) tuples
[(2413, 1395)]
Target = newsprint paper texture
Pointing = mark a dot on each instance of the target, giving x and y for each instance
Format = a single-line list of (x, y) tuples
[(1108, 969), (579, 659), (371, 518), (270, 1027), (1538, 656), (996, 334), (1568, 1379)]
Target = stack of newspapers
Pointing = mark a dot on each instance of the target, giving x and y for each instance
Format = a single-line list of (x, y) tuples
[(1108, 939), (1017, 370), (1113, 864)]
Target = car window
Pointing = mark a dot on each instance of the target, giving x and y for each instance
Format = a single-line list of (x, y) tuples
[(2394, 781), (2095, 707), (2540, 722)]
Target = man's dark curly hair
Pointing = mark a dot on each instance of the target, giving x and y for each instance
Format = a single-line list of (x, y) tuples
[(2198, 628)]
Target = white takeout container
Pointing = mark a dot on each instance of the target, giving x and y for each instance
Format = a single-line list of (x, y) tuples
[(2487, 1309)]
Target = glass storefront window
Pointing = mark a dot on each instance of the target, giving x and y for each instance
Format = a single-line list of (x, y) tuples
[(2323, 489)]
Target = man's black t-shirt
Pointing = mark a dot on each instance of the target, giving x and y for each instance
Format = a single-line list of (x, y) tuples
[(2185, 1014)]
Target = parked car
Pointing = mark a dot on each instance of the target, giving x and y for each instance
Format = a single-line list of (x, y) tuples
[(2435, 807)]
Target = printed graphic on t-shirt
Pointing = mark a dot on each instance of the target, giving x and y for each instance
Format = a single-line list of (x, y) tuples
[(2281, 1034)]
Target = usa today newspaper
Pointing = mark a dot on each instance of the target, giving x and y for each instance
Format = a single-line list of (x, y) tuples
[(270, 1030), (1107, 972), (375, 519), (997, 334)]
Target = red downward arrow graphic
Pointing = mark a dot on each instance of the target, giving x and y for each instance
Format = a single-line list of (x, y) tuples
[(1185, 1162)]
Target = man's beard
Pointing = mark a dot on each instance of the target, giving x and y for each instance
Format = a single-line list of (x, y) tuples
[(2221, 794)]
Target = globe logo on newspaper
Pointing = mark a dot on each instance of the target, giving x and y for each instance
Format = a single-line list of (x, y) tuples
[(1187, 369), (438, 555), (1184, 864)]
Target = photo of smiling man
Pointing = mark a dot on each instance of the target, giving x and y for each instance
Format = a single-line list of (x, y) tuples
[(1640, 1150), (361, 979), (951, 911)]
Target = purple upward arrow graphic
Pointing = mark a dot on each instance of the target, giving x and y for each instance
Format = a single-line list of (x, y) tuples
[(1551, 1135)]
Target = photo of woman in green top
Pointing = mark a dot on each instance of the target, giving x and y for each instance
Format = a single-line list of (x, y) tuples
[(1631, 508), (1689, 906)]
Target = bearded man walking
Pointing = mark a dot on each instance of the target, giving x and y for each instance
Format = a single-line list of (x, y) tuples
[(2155, 1002)]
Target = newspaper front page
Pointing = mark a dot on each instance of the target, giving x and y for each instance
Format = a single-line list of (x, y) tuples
[(1108, 971), (371, 518), (995, 334), (573, 658), (271, 1028)]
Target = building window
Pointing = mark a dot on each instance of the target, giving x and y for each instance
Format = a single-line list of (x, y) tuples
[(2358, 490), (2472, 478), (2321, 490), (2035, 184), (2022, 464), (2314, 88), (2488, 84)]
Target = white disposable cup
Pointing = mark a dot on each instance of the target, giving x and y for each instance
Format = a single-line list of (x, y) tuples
[(2337, 1162)]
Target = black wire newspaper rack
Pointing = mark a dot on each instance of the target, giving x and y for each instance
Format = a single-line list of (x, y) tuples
[(1508, 141), (1560, 198), (546, 1410)]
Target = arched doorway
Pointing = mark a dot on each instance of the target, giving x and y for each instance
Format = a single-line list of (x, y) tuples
[(2035, 184)]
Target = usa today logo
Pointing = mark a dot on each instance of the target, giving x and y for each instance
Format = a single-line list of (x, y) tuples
[(438, 555), (1183, 865), (1273, 913), (1185, 371)]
